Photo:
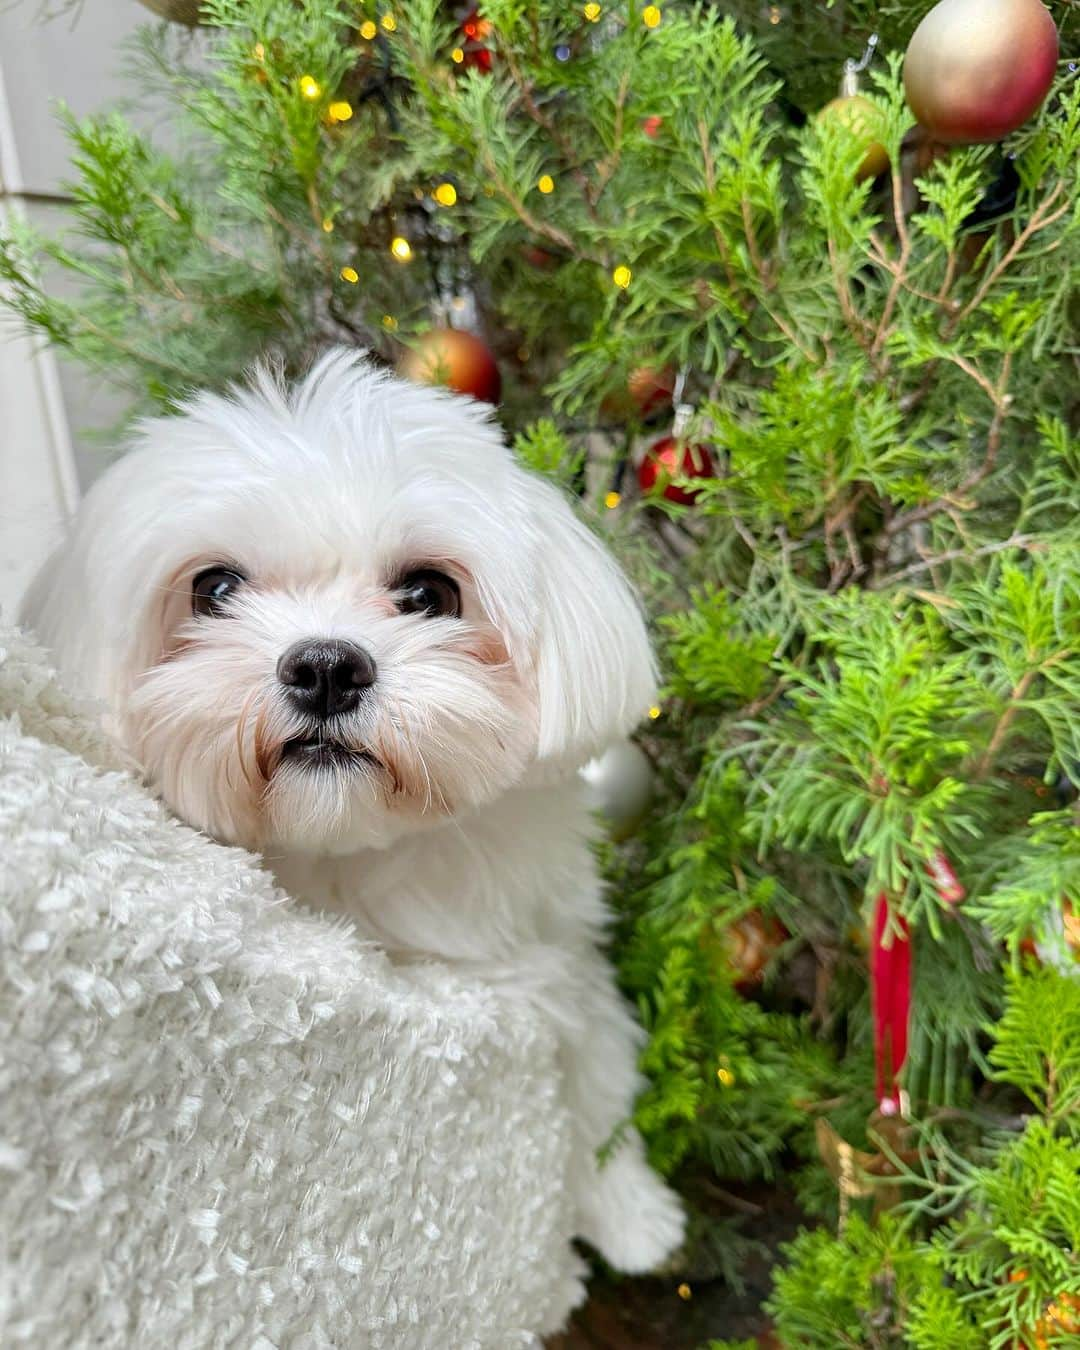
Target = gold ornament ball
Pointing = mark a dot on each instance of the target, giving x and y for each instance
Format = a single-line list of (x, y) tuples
[(976, 70), (858, 114)]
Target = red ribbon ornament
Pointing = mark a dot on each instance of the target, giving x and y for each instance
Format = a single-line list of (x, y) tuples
[(890, 990), (890, 984)]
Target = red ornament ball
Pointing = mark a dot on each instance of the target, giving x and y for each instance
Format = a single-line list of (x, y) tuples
[(460, 361), (668, 458), (475, 30), (976, 70), (652, 126)]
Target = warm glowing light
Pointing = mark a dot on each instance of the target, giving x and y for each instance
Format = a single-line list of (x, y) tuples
[(389, 23), (457, 56), (592, 11), (654, 712), (259, 52), (401, 248), (546, 184), (651, 16), (622, 276), (328, 225), (350, 274), (389, 322), (309, 86), (727, 1078), (368, 30), (446, 194), (685, 1292), (774, 14), (339, 111), (612, 500)]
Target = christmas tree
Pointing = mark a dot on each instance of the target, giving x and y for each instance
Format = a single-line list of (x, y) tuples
[(809, 364)]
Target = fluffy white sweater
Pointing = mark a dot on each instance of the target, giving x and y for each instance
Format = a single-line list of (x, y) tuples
[(223, 1121)]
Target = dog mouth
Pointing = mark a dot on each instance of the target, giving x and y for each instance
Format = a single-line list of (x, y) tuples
[(323, 752)]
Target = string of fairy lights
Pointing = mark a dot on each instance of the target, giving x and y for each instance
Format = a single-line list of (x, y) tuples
[(471, 53), (449, 353)]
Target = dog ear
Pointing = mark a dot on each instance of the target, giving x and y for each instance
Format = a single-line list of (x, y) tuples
[(594, 668)]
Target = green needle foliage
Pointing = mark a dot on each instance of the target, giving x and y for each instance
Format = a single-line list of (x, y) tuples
[(998, 1267), (868, 615)]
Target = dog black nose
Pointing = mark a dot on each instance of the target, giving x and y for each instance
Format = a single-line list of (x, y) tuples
[(325, 676)]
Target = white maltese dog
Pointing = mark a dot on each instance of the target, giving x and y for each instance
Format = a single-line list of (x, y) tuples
[(339, 625)]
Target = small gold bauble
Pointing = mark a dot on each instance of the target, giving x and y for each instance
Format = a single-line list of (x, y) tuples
[(858, 114)]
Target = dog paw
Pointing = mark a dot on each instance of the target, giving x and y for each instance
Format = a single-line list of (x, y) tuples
[(631, 1217)]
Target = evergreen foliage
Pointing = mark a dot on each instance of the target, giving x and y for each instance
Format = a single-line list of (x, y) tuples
[(999, 1269), (869, 617)]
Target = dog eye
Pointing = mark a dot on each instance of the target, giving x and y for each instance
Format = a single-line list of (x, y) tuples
[(429, 592), (211, 589)]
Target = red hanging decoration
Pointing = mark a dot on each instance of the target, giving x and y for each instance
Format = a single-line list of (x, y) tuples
[(890, 989), (475, 30), (946, 882), (670, 457)]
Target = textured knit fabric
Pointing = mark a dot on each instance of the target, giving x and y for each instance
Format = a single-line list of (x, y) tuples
[(224, 1122)]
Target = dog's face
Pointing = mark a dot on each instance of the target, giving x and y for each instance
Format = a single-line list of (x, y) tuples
[(325, 618)]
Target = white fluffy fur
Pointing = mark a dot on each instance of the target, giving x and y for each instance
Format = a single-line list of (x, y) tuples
[(226, 1124), (470, 842)]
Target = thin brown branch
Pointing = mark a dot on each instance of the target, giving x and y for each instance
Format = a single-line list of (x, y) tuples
[(1004, 722), (1001, 400), (1026, 542), (899, 280), (542, 120), (857, 325), (1041, 219)]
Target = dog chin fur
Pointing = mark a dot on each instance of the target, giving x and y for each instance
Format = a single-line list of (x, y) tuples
[(452, 824)]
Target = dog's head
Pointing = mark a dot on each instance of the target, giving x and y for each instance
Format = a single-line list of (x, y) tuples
[(322, 617)]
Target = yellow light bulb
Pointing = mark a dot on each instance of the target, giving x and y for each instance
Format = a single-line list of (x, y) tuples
[(446, 194), (622, 276), (389, 322), (328, 225), (592, 11), (259, 52), (685, 1292), (651, 16), (457, 56), (309, 86), (401, 248), (368, 30), (546, 184), (654, 712), (340, 111), (727, 1078), (389, 23), (612, 500), (350, 274), (774, 15)]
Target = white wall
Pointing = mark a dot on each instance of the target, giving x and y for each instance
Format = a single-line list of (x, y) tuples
[(48, 410)]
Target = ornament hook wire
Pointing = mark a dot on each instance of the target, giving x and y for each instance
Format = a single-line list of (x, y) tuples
[(683, 411), (849, 85)]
